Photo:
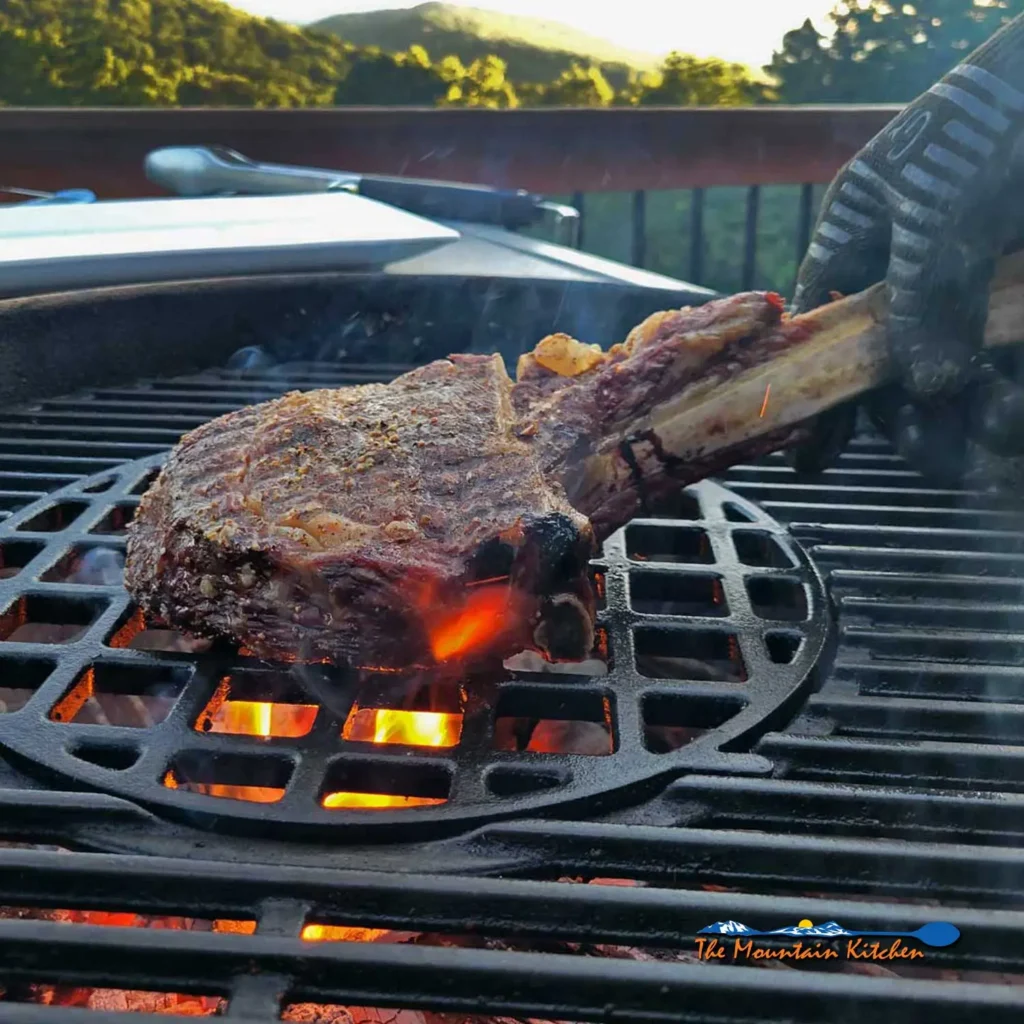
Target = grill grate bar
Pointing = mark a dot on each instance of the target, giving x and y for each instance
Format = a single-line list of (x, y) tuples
[(947, 721), (555, 986), (24, 1013), (768, 861), (655, 918), (157, 436), (112, 452), (780, 474), (853, 811), (801, 495), (909, 560), (898, 517), (926, 763), (990, 683), (164, 420)]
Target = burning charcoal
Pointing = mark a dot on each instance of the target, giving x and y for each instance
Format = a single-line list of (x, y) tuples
[(533, 661), (252, 357), (168, 640), (316, 1013), (552, 736), (566, 628), (100, 567), (667, 667), (565, 737), (45, 633), (869, 969), (664, 738)]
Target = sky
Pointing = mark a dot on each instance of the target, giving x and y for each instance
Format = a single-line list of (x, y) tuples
[(741, 30)]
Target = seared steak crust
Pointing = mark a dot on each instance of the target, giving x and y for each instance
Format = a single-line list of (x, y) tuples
[(337, 523)]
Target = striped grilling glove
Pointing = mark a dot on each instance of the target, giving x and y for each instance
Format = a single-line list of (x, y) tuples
[(929, 205)]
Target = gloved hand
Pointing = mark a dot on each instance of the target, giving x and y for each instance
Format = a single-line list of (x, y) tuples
[(929, 205)]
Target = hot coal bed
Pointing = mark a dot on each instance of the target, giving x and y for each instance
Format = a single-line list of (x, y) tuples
[(802, 710)]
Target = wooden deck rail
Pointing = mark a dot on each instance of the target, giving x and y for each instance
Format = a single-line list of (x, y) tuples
[(551, 151)]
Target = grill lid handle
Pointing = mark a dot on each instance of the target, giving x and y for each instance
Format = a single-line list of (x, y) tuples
[(193, 171), (215, 170)]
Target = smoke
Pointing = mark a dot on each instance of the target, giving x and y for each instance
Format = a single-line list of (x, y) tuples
[(100, 567), (252, 357)]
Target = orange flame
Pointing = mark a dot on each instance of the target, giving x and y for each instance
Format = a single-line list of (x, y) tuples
[(340, 933), (409, 728), (377, 801), (260, 718), (389, 726), (487, 613)]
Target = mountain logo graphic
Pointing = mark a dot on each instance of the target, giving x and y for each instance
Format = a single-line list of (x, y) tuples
[(727, 928), (828, 928), (935, 933)]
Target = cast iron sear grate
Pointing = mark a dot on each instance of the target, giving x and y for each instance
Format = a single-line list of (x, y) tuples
[(711, 622)]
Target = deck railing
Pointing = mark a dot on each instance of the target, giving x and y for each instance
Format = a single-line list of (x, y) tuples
[(564, 152)]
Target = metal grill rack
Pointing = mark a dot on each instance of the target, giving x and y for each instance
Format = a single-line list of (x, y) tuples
[(711, 622), (891, 796)]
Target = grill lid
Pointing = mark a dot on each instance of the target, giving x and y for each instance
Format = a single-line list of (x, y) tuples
[(50, 248)]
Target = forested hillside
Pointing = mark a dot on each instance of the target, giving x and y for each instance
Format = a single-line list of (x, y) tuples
[(160, 52), (533, 50), (204, 52)]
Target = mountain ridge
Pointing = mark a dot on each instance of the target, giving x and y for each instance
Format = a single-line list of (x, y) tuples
[(535, 49)]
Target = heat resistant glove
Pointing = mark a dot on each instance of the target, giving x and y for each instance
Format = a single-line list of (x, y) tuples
[(929, 204)]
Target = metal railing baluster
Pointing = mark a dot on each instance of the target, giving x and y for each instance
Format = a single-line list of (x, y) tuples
[(639, 254), (579, 201), (803, 231), (697, 236), (750, 237)]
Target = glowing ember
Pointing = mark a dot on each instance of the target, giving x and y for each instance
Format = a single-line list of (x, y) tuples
[(266, 719), (409, 728), (764, 404), (117, 1000), (390, 726), (337, 933), (251, 794), (260, 718), (377, 801), (254, 717)]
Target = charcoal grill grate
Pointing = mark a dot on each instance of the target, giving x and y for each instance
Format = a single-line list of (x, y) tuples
[(894, 798), (712, 622)]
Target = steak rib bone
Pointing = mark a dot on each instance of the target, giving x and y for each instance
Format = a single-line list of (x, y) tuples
[(727, 382)]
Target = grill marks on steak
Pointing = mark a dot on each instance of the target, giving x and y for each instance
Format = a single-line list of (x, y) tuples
[(338, 524), (333, 523)]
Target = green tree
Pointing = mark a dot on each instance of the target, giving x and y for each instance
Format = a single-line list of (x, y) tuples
[(577, 86), (637, 83), (395, 79), (881, 52), (687, 81), (482, 84), (142, 52)]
